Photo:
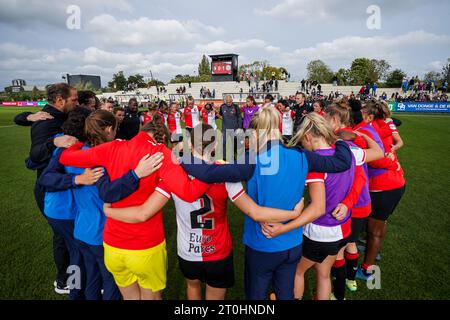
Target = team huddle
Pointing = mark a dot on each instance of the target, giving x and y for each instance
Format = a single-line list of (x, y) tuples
[(103, 191)]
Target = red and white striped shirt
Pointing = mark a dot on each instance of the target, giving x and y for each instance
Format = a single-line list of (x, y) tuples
[(203, 233), (191, 116)]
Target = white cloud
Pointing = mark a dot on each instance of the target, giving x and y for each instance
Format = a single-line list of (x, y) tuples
[(234, 46), (43, 66), (300, 8), (197, 27), (385, 47), (312, 10), (436, 65), (53, 12), (109, 31), (272, 49)]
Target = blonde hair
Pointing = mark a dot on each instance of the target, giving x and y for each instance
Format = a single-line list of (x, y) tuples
[(315, 125), (342, 111), (387, 113), (266, 123)]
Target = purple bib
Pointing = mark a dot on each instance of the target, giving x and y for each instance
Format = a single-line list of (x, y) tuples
[(249, 112), (337, 187), (376, 137)]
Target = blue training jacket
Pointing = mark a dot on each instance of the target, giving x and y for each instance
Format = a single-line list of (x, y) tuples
[(90, 218), (276, 186), (59, 202)]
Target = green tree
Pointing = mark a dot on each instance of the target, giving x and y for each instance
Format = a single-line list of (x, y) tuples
[(36, 94), (446, 71), (362, 71), (381, 68), (319, 71), (179, 78), (269, 71), (119, 82), (204, 67), (395, 78), (137, 79), (256, 68), (156, 82), (85, 86), (342, 77), (433, 76)]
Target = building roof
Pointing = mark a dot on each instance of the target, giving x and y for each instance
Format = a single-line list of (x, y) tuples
[(30, 88)]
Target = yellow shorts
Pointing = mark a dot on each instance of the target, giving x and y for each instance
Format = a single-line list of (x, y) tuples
[(147, 267)]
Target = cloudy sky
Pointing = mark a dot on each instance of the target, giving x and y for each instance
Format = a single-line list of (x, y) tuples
[(169, 37)]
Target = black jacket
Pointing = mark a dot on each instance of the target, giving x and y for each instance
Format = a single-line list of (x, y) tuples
[(299, 112), (130, 126), (231, 117), (21, 119), (42, 135)]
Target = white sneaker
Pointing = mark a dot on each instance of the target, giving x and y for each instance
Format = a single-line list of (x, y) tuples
[(61, 289)]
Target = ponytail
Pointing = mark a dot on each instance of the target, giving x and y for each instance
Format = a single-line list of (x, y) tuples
[(376, 109), (340, 110), (96, 124), (315, 125), (158, 129)]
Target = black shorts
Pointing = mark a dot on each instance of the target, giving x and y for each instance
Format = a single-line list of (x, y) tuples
[(216, 274), (385, 202), (358, 226), (175, 138), (318, 251)]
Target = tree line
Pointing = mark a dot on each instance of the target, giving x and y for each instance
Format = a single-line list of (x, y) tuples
[(364, 70)]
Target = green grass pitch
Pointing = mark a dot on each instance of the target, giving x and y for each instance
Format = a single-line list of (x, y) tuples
[(415, 254)]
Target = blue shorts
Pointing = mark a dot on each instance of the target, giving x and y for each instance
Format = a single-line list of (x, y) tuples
[(265, 268), (65, 229)]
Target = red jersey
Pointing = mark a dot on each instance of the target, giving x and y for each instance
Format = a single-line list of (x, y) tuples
[(146, 118), (118, 157), (386, 130), (174, 123), (202, 233), (164, 116), (191, 116), (392, 177)]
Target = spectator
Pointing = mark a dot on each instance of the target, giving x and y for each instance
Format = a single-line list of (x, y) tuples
[(374, 89), (335, 80)]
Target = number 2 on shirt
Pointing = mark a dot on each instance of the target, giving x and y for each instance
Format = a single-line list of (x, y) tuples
[(196, 216)]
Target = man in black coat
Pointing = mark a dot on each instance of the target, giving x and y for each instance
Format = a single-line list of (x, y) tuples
[(300, 109), (44, 126)]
